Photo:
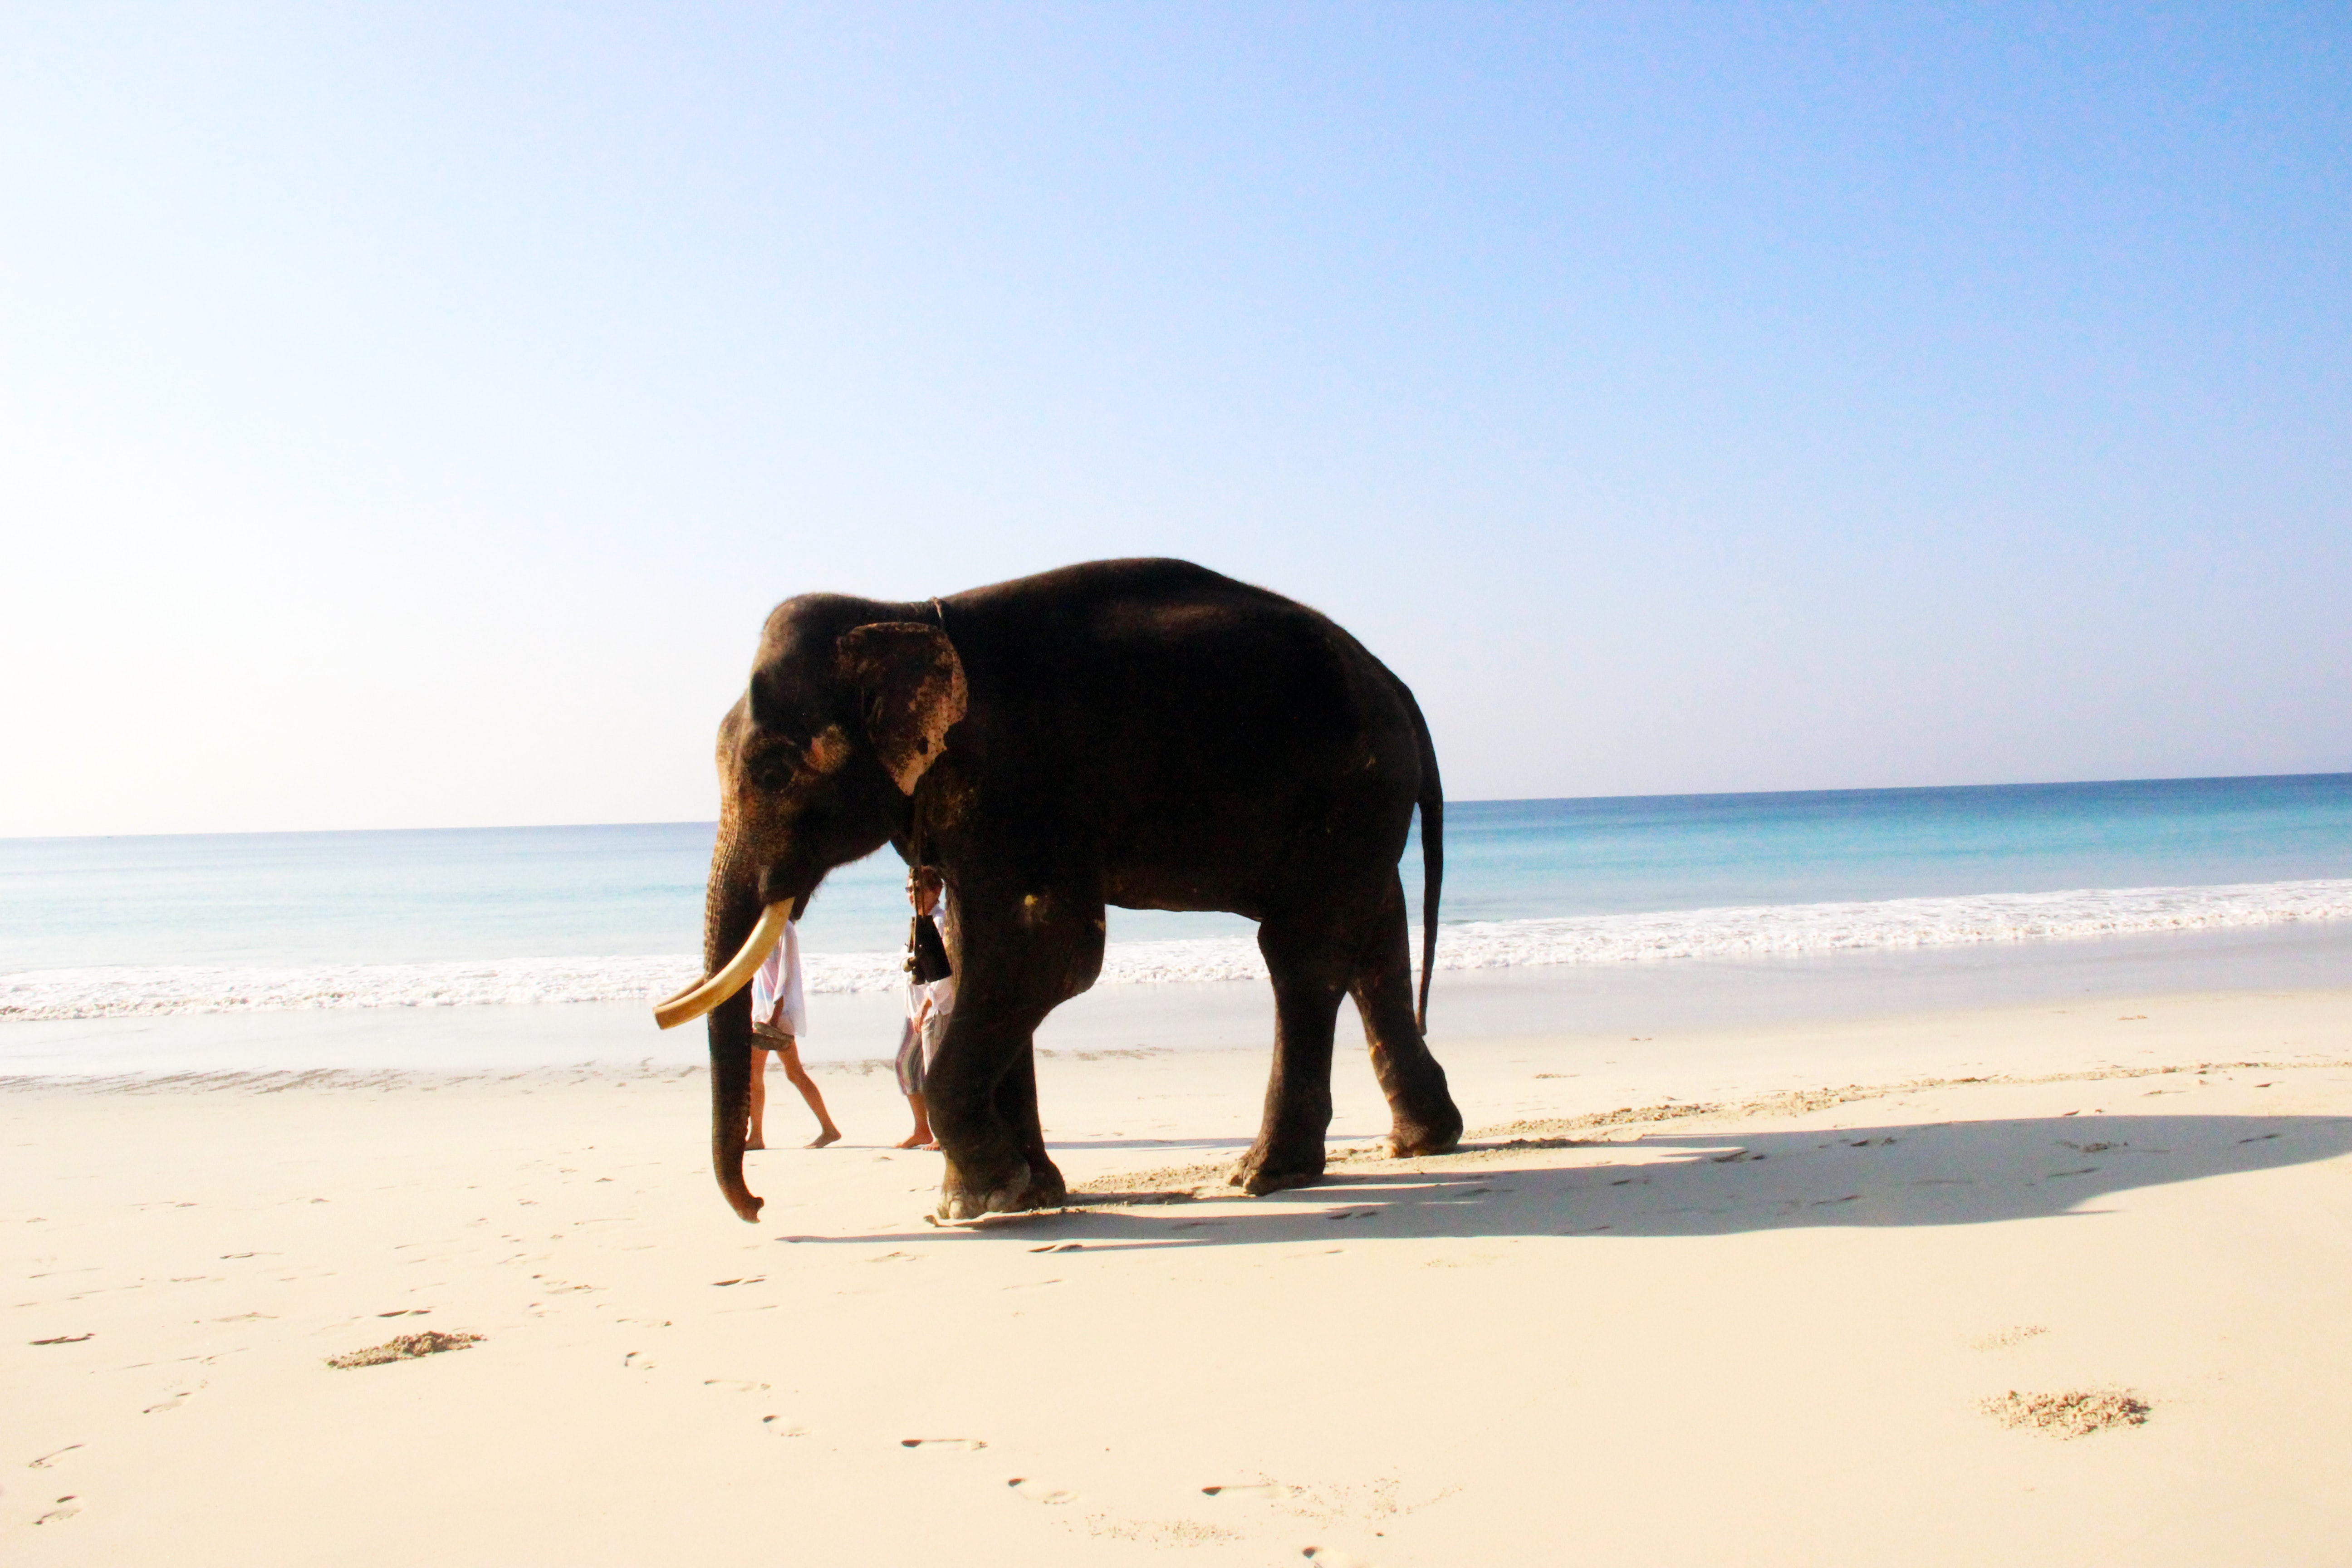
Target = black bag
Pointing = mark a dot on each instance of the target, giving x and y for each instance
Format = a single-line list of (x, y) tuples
[(927, 952)]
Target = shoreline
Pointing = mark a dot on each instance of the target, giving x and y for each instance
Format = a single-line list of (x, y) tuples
[(1667, 998), (1499, 1079), (1982, 931)]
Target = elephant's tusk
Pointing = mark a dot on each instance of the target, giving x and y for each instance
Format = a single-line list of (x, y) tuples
[(704, 995)]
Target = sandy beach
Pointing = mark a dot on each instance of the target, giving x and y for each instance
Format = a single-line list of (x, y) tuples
[(1755, 594), (1762, 1295)]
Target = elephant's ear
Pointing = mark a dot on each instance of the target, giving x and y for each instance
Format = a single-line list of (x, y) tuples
[(910, 691)]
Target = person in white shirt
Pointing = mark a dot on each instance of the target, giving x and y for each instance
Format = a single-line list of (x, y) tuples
[(779, 1019), (927, 1016)]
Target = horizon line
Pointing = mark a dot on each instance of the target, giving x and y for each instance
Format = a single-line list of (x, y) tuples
[(1450, 801)]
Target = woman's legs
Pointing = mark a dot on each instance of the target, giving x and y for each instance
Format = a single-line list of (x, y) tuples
[(920, 1137), (910, 1083), (789, 1053)]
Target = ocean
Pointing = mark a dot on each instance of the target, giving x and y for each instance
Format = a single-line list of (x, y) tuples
[(147, 926)]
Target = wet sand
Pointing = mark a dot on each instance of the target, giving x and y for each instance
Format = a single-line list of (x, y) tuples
[(1763, 1294)]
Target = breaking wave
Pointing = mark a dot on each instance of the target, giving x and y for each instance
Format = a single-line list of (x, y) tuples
[(1758, 932)]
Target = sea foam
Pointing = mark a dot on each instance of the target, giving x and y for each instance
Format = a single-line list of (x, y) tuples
[(1757, 932)]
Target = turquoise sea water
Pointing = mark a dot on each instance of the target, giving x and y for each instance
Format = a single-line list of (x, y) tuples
[(488, 894), (1522, 859), (439, 950)]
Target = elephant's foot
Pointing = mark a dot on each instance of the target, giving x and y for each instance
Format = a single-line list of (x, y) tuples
[(1435, 1131), (1046, 1188), (1017, 1189), (1270, 1170)]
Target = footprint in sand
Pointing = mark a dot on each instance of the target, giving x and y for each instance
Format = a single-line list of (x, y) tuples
[(782, 1427), (1332, 1557), (1264, 1492), (51, 1457), (962, 1444), (635, 1362), (171, 1404), (1038, 1491), (739, 1384), (67, 1508)]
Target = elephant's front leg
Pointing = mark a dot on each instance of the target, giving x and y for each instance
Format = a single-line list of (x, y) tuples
[(1016, 1105), (988, 1169), (982, 1091)]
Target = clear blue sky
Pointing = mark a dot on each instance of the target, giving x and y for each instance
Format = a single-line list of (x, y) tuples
[(408, 413)]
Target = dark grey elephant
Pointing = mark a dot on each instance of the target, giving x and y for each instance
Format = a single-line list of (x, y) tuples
[(1144, 733)]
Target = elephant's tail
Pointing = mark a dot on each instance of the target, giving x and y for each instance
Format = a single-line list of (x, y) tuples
[(1431, 801)]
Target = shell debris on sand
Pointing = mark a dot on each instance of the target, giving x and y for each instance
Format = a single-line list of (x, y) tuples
[(405, 1347), (2077, 1412)]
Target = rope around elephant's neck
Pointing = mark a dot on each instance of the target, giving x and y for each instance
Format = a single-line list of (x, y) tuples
[(915, 830)]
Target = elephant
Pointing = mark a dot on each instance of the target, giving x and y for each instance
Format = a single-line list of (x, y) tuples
[(1144, 733)]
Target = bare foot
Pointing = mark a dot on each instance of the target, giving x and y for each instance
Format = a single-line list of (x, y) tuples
[(754, 1142), (933, 1146), (919, 1139), (830, 1135)]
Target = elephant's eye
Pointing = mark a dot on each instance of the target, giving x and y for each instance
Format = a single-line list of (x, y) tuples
[(772, 768)]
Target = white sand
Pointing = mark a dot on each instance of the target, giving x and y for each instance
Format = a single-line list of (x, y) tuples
[(1622, 1340)]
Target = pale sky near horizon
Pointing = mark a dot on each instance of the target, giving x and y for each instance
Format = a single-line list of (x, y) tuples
[(410, 412)]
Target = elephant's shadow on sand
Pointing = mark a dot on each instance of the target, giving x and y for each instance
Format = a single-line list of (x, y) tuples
[(1723, 1183)]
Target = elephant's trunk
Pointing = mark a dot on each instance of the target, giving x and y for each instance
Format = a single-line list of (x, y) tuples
[(732, 920)]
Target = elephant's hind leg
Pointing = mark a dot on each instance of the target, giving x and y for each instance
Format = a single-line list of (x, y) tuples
[(1422, 1118), (1308, 980)]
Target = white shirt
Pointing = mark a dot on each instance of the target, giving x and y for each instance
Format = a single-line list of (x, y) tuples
[(776, 995)]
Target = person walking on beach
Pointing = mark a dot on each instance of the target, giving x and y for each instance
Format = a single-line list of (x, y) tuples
[(779, 1019), (928, 1006)]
